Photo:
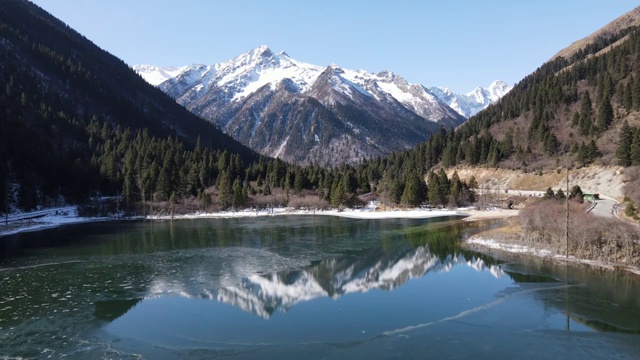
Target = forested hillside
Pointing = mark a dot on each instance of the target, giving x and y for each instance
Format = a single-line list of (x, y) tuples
[(567, 113), (569, 110), (57, 91)]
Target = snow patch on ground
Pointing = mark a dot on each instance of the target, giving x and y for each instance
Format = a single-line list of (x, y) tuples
[(512, 248), (61, 216), (348, 213), (69, 215)]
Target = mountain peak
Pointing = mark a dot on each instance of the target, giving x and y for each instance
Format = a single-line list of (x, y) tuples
[(474, 101), (262, 50), (386, 74), (498, 83)]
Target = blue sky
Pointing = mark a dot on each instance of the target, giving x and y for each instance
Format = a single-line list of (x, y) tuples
[(457, 44)]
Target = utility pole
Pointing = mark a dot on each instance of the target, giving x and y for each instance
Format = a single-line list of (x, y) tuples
[(566, 266), (567, 200), (6, 196), (6, 203), (118, 204)]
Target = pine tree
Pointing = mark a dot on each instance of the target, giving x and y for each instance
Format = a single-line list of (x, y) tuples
[(471, 153), (627, 99), (605, 115), (551, 144), (413, 191), (449, 155), (238, 194), (298, 181), (225, 189), (434, 189), (456, 187), (163, 187), (635, 148), (587, 153), (575, 121), (327, 186), (473, 183), (549, 194), (338, 196), (586, 115), (623, 152), (635, 93), (506, 146), (444, 187), (128, 183)]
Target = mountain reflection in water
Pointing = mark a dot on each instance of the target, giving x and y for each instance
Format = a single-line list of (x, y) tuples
[(263, 294), (236, 274)]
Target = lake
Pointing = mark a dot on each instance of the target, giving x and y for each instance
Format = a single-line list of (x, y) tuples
[(311, 287)]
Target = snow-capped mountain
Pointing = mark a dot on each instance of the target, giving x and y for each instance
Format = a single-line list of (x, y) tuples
[(305, 113), (473, 102)]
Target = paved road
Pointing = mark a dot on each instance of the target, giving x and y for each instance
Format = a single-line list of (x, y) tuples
[(604, 208)]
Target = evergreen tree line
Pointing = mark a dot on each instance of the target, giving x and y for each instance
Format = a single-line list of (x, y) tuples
[(543, 97), (57, 147), (556, 82)]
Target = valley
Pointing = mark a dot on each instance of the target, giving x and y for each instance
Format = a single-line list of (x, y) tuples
[(266, 207)]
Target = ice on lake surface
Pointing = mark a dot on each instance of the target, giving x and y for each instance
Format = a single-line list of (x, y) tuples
[(302, 287)]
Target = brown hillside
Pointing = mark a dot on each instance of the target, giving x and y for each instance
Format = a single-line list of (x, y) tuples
[(607, 180), (632, 18)]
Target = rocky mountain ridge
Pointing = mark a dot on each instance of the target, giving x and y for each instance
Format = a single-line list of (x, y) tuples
[(305, 113)]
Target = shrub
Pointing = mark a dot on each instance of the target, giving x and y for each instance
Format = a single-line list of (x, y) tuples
[(630, 210), (590, 237)]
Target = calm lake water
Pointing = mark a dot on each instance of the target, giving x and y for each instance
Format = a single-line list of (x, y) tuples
[(300, 287)]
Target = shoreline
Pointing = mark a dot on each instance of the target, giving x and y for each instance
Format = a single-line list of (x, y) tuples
[(483, 242), (467, 214), (49, 222), (347, 213), (505, 249)]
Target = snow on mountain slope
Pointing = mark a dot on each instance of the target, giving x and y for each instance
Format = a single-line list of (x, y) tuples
[(252, 70), (245, 74), (475, 101), (278, 106), (414, 97), (156, 75)]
